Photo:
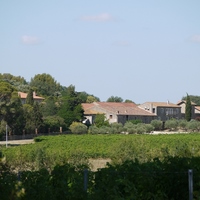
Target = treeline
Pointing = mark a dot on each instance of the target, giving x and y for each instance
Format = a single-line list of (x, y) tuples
[(167, 179), (61, 105), (60, 108)]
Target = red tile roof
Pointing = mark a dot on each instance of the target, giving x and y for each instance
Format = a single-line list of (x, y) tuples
[(24, 95), (163, 104), (197, 108), (183, 101), (115, 107)]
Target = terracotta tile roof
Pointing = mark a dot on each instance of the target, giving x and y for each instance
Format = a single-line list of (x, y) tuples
[(183, 101), (197, 108), (87, 107), (163, 104), (116, 108), (24, 95)]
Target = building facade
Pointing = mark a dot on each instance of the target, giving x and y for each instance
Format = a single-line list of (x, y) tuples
[(117, 112)]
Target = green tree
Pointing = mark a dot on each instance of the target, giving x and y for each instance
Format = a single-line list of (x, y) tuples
[(10, 107), (100, 120), (15, 115), (29, 98), (193, 98), (91, 99), (49, 107), (45, 84), (29, 122), (16, 81), (188, 109), (114, 99), (128, 101), (87, 98), (6, 90), (78, 128), (70, 108), (54, 123), (37, 116)]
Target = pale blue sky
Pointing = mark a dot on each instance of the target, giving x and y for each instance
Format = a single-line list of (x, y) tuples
[(145, 50)]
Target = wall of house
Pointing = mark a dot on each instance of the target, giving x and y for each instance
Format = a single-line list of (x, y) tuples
[(148, 107), (166, 113), (183, 105), (145, 119), (111, 117)]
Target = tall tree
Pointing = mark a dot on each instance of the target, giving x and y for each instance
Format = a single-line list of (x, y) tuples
[(29, 98), (37, 117), (49, 107), (16, 81), (45, 84), (29, 116), (10, 107), (70, 109), (15, 115), (188, 109)]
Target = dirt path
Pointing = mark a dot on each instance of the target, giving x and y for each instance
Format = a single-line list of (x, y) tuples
[(17, 142)]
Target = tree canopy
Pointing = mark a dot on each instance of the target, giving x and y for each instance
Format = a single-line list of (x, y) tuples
[(193, 98), (45, 84), (70, 107), (114, 99)]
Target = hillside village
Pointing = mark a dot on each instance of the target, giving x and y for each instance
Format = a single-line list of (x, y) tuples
[(121, 112), (47, 106)]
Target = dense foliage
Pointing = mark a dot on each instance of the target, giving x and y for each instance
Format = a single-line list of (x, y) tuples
[(61, 105), (143, 167), (131, 180), (53, 150), (114, 99), (194, 98), (188, 109)]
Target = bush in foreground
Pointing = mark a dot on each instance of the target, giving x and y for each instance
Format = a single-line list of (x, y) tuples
[(78, 128)]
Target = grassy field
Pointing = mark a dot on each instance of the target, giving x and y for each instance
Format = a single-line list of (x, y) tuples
[(48, 151)]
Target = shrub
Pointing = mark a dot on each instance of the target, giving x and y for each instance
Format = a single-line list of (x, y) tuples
[(149, 128), (116, 127), (171, 124), (193, 125), (157, 124), (101, 130), (182, 124), (130, 127), (104, 130), (78, 128), (93, 129), (100, 120), (140, 129)]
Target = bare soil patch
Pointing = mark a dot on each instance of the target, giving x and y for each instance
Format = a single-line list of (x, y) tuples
[(17, 142), (98, 163)]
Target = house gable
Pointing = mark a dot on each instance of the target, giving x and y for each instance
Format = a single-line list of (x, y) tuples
[(117, 111), (163, 110), (23, 97)]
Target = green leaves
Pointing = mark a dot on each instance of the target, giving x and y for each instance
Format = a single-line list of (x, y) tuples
[(188, 109)]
